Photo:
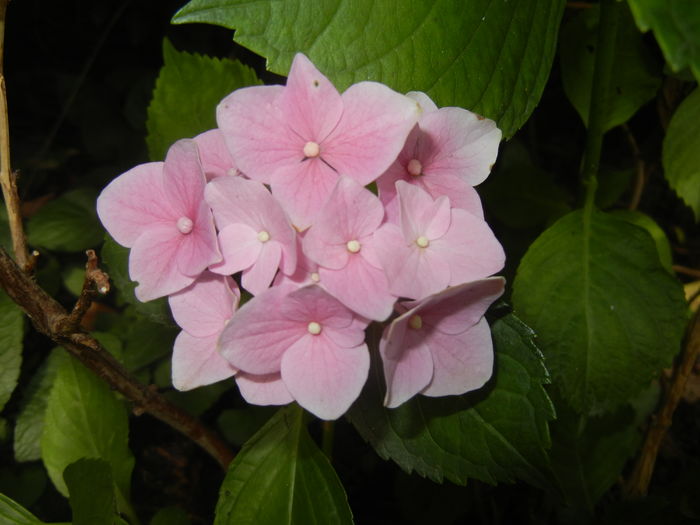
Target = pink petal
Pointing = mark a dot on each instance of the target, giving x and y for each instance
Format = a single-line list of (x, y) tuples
[(310, 103), (268, 389), (199, 248), (426, 103), (462, 362), (420, 214), (461, 194), (408, 365), (135, 201), (214, 154), (203, 308), (240, 248), (197, 363), (258, 277), (153, 262), (183, 178), (312, 303), (371, 131), (324, 378), (256, 133)]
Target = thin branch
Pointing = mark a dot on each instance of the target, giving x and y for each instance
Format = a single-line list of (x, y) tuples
[(692, 272), (640, 169), (638, 483), (8, 178), (52, 320)]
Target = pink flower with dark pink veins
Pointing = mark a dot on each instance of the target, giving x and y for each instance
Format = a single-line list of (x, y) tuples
[(158, 210), (435, 246), (448, 152), (441, 345), (255, 234), (300, 137), (307, 336)]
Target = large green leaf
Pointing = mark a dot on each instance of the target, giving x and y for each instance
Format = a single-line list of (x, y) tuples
[(635, 75), (12, 513), (281, 476), (676, 25), (68, 223), (91, 489), (187, 91), (490, 56), (11, 334), (681, 151), (498, 433), (607, 314), (84, 419)]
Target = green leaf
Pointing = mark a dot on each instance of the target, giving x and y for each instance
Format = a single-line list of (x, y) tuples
[(681, 151), (11, 335), (30, 422), (68, 223), (239, 424), (663, 247), (490, 56), (497, 433), (676, 26), (84, 419), (607, 314), (12, 513), (91, 489), (281, 476), (186, 94), (170, 516), (116, 260), (635, 75)]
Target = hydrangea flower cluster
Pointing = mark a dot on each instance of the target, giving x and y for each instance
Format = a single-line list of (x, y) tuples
[(278, 195)]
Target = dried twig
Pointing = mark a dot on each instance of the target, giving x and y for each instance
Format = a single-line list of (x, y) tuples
[(638, 483), (640, 169)]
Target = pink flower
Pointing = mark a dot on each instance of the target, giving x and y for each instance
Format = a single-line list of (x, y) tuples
[(215, 157), (158, 210), (254, 233), (447, 153), (441, 345), (298, 138), (307, 336), (340, 241), (436, 246)]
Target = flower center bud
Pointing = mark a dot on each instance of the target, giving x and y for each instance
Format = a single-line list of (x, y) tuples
[(414, 167), (422, 241), (185, 225), (315, 277), (415, 322), (353, 246), (263, 236), (311, 149), (314, 328)]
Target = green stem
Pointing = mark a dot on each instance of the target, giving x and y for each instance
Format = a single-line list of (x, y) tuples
[(327, 439), (604, 58)]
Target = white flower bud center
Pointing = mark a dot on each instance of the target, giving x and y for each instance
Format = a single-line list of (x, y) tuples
[(314, 328), (423, 241), (353, 246), (315, 277), (263, 236), (312, 149), (415, 322), (414, 167), (185, 225)]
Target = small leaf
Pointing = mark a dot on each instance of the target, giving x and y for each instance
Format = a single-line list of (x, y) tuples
[(187, 91), (608, 316), (490, 56), (84, 419), (681, 151), (497, 433), (676, 26), (11, 335), (68, 223), (91, 490), (12, 513), (635, 75), (663, 247), (281, 476)]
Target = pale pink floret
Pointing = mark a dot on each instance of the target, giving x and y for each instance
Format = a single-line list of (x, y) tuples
[(202, 310), (447, 153), (214, 154), (341, 242), (300, 137), (255, 234), (158, 210), (310, 338), (441, 345), (435, 245)]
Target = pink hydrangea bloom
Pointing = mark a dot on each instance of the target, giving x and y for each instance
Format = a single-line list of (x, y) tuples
[(435, 246), (447, 153), (441, 345), (158, 210), (215, 157), (341, 240), (298, 138), (255, 234), (307, 336)]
